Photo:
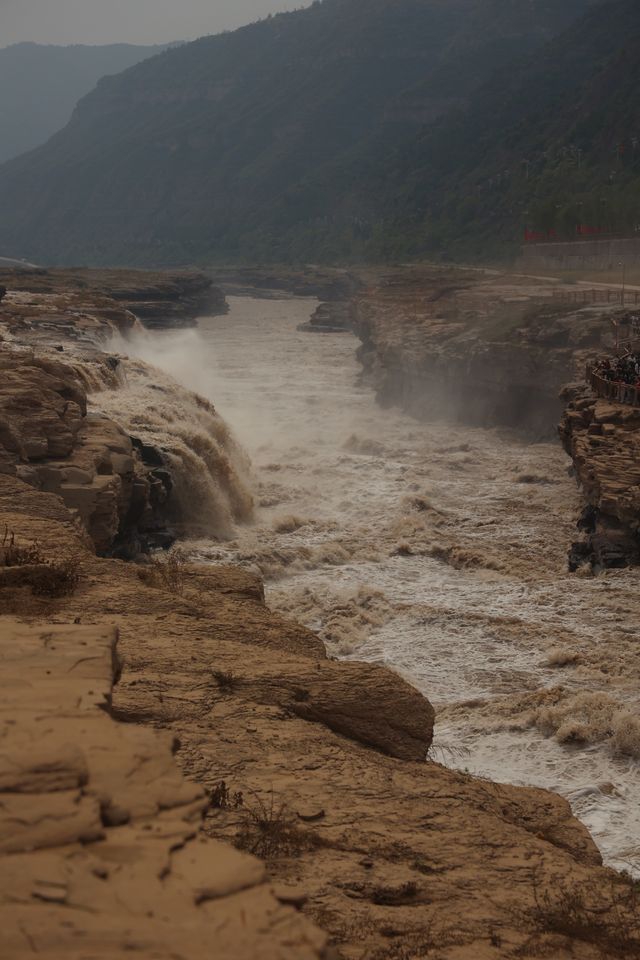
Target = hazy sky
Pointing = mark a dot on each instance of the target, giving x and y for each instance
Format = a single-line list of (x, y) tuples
[(131, 21)]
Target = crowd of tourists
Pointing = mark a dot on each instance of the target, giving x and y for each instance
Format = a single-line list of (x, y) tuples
[(624, 369), (621, 376)]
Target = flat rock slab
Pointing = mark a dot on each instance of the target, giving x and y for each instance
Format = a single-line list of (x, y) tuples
[(101, 850)]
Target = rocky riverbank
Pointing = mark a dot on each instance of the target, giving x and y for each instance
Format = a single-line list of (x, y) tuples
[(159, 299), (306, 821)]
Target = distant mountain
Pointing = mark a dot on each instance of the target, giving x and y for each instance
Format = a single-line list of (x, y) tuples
[(40, 86), (283, 140)]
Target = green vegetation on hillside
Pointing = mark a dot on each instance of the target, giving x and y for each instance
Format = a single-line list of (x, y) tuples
[(550, 145)]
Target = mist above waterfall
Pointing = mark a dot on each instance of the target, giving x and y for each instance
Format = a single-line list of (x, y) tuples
[(161, 397)]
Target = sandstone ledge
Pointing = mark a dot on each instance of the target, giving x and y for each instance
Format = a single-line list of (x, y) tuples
[(101, 852)]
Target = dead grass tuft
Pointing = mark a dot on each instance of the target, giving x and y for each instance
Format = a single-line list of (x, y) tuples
[(168, 573), (59, 579)]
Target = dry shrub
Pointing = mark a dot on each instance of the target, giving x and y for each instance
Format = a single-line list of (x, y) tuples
[(268, 830), (57, 580), (226, 680), (13, 554), (48, 578), (608, 919), (221, 797)]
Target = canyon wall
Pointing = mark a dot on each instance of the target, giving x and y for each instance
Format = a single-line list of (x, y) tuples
[(473, 346), (603, 440)]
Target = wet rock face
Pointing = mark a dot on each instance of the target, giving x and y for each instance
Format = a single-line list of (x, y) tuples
[(55, 326), (603, 440), (48, 440)]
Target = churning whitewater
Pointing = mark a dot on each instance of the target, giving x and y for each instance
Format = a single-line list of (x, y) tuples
[(439, 550)]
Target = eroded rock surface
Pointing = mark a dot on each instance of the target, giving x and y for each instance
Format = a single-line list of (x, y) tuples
[(101, 847), (125, 478)]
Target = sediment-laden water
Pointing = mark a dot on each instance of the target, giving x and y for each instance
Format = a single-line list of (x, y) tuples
[(439, 550)]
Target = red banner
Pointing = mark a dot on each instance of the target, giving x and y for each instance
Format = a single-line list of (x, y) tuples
[(531, 236), (584, 230), (539, 236)]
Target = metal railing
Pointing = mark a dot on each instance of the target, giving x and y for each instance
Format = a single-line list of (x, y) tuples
[(598, 296)]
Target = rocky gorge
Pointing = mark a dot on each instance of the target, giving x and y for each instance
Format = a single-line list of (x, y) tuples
[(178, 762), (483, 348)]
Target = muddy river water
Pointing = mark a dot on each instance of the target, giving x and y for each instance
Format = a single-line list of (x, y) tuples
[(438, 550)]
